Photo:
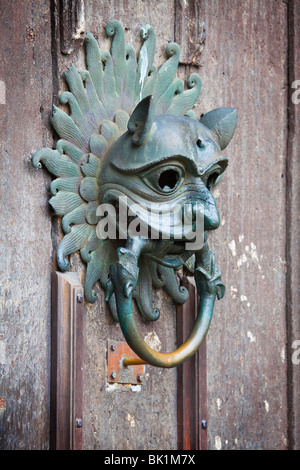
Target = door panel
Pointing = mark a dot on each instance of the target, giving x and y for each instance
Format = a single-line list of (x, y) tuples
[(25, 226), (245, 65), (246, 54)]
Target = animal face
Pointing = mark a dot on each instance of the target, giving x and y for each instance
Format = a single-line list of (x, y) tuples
[(166, 161)]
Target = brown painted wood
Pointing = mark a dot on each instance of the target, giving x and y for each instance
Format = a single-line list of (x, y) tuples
[(293, 224), (77, 354), (250, 61), (73, 24), (25, 225), (191, 381), (244, 65), (67, 363), (189, 31)]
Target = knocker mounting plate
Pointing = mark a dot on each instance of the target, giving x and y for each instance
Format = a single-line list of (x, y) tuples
[(117, 371)]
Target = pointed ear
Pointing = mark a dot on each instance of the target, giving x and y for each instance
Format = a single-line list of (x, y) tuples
[(221, 122), (141, 120)]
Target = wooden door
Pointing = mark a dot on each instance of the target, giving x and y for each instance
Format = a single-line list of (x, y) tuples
[(246, 53)]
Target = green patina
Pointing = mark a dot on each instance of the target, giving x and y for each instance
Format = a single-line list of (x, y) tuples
[(131, 132)]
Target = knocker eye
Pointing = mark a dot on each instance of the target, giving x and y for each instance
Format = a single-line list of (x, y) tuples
[(166, 179)]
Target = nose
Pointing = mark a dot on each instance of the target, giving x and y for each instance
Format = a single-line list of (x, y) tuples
[(211, 214), (204, 203)]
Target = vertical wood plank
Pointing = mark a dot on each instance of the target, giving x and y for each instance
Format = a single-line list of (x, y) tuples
[(73, 24), (67, 342), (293, 224), (115, 416), (203, 421), (25, 225), (244, 65), (77, 354), (189, 31), (191, 380)]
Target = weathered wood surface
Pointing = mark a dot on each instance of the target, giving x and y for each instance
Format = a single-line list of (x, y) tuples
[(191, 379), (293, 225), (25, 233), (244, 64), (248, 62), (66, 362), (189, 31)]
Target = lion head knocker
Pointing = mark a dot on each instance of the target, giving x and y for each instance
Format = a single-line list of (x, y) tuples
[(134, 173)]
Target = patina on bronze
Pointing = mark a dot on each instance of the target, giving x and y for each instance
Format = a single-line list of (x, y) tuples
[(131, 133)]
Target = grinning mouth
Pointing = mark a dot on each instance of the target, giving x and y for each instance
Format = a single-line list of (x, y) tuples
[(180, 218)]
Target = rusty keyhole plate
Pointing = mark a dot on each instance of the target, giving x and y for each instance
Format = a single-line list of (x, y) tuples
[(117, 351)]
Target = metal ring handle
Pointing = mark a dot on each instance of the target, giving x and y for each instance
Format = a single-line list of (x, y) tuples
[(124, 275)]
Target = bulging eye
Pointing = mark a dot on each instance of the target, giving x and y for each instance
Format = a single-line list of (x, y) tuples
[(165, 179), (168, 179)]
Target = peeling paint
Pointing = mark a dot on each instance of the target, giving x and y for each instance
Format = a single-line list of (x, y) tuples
[(232, 246), (251, 337), (249, 254), (253, 252), (113, 387), (243, 259), (267, 407), (219, 403), (80, 25), (130, 418), (135, 388), (153, 341), (218, 443), (254, 255), (282, 354), (284, 440), (216, 193), (2, 92), (2, 351), (232, 291)]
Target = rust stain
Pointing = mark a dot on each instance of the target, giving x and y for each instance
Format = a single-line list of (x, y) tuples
[(2, 404), (117, 351), (30, 34)]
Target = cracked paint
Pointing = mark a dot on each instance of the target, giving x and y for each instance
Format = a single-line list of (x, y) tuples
[(2, 92), (232, 246), (130, 418), (251, 337), (218, 443)]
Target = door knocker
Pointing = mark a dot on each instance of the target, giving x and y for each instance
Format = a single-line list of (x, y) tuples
[(134, 171)]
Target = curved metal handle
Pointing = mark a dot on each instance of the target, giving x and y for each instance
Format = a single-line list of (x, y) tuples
[(124, 275)]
